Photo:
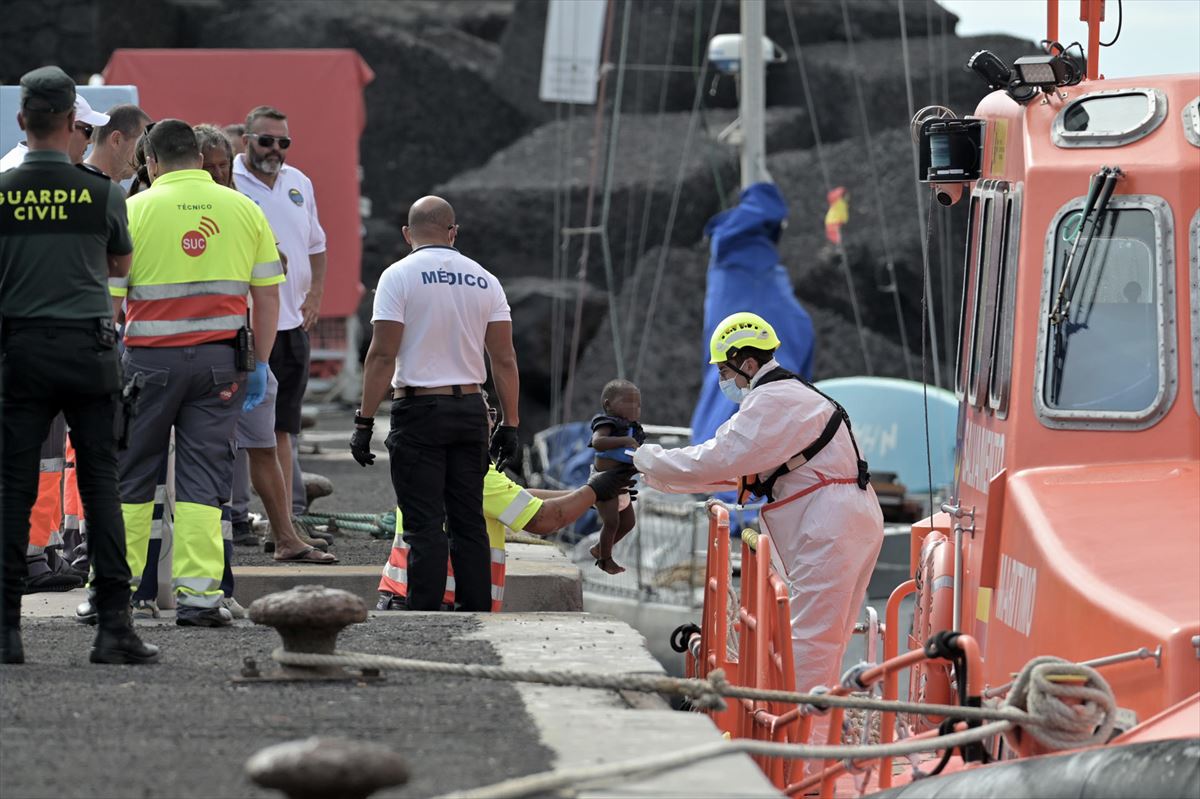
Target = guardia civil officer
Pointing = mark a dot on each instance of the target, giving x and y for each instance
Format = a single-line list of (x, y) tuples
[(435, 314), (63, 234)]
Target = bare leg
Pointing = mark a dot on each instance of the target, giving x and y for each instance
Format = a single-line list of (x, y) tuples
[(627, 520), (283, 446), (602, 552), (271, 487)]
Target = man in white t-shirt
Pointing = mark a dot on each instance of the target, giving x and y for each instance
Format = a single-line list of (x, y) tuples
[(285, 195), (435, 314)]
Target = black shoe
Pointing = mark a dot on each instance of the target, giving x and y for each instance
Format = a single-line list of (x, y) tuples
[(244, 535), (186, 616), (11, 649), (118, 643), (389, 601), (46, 576), (85, 612)]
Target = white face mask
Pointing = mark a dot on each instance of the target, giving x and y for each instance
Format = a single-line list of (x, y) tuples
[(732, 391)]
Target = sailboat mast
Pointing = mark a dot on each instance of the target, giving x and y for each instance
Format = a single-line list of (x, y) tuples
[(752, 98)]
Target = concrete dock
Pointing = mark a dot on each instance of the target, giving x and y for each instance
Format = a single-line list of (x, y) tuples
[(182, 728)]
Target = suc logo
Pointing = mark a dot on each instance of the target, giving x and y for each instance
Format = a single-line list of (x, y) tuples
[(195, 242)]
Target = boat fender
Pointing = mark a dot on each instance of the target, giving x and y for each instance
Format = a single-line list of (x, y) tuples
[(1162, 769), (682, 634)]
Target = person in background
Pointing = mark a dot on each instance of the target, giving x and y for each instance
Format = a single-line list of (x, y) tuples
[(113, 147), (436, 314), (506, 506), (285, 194), (60, 355), (198, 248), (255, 432), (234, 134), (615, 431), (86, 122), (792, 445)]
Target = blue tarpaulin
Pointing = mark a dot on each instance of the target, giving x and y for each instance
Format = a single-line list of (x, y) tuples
[(744, 274)]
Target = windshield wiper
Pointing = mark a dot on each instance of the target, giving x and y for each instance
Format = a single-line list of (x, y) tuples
[(1100, 191)]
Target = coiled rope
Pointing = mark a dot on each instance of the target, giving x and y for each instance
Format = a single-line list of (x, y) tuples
[(1073, 704)]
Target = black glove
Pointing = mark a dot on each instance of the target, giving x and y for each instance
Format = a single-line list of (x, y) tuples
[(505, 446), (360, 440), (638, 434), (607, 485)]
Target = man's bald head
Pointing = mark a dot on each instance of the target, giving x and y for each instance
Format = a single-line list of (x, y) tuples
[(430, 220)]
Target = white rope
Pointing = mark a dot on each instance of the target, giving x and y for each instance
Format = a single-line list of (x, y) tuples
[(555, 780), (705, 693), (1049, 719), (1061, 725)]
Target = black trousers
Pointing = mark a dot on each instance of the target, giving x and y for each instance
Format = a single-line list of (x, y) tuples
[(45, 371), (438, 451)]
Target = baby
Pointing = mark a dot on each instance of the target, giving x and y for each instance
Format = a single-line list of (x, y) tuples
[(614, 431)]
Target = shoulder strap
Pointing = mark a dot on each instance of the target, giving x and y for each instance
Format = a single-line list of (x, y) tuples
[(839, 415)]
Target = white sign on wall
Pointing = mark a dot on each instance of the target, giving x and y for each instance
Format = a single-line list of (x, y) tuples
[(571, 54)]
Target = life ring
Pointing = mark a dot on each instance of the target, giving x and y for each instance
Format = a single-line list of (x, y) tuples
[(930, 680)]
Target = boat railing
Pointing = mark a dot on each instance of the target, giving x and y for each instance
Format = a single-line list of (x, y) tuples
[(760, 622)]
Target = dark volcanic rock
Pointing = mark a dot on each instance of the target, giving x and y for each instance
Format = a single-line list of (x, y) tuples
[(673, 350), (508, 207), (937, 68), (543, 313), (431, 110), (815, 266), (668, 32)]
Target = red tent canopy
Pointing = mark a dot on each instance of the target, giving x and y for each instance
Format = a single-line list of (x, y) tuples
[(321, 93)]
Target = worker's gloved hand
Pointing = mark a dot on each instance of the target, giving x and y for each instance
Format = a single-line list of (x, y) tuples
[(638, 434), (360, 440), (505, 446), (256, 386), (606, 485)]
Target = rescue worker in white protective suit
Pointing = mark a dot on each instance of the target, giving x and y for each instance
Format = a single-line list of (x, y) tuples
[(791, 444)]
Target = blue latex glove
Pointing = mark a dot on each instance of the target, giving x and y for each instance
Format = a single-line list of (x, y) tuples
[(256, 386)]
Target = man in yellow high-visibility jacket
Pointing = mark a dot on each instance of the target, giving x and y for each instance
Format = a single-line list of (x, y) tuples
[(198, 248)]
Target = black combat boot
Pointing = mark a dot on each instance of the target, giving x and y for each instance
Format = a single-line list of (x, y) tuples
[(11, 649), (116, 642)]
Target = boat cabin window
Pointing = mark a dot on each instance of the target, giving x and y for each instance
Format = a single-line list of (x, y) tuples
[(1191, 121), (1000, 376), (973, 240), (1105, 356), (1109, 118), (984, 300)]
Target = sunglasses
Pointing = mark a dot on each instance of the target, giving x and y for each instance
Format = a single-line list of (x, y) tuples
[(85, 129), (269, 141)]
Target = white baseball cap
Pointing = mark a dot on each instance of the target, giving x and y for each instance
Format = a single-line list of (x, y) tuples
[(85, 114)]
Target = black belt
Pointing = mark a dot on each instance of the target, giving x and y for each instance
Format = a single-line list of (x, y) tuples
[(50, 324)]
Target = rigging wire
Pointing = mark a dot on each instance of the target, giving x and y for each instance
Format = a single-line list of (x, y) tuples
[(614, 136), (816, 131), (639, 81), (556, 302), (878, 194), (577, 326), (927, 293), (945, 228), (652, 174), (675, 195)]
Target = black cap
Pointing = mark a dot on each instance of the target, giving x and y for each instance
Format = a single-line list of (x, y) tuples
[(47, 89)]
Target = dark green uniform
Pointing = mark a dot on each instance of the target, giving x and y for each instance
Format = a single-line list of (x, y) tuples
[(58, 224)]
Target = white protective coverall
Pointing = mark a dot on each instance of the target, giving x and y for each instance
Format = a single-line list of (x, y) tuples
[(826, 541)]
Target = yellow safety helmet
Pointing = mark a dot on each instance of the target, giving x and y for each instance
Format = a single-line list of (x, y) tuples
[(742, 329)]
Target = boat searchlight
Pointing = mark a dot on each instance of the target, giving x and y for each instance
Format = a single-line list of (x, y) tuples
[(949, 151)]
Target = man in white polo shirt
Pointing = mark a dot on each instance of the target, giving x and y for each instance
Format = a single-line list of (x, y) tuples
[(285, 195), (436, 312)]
